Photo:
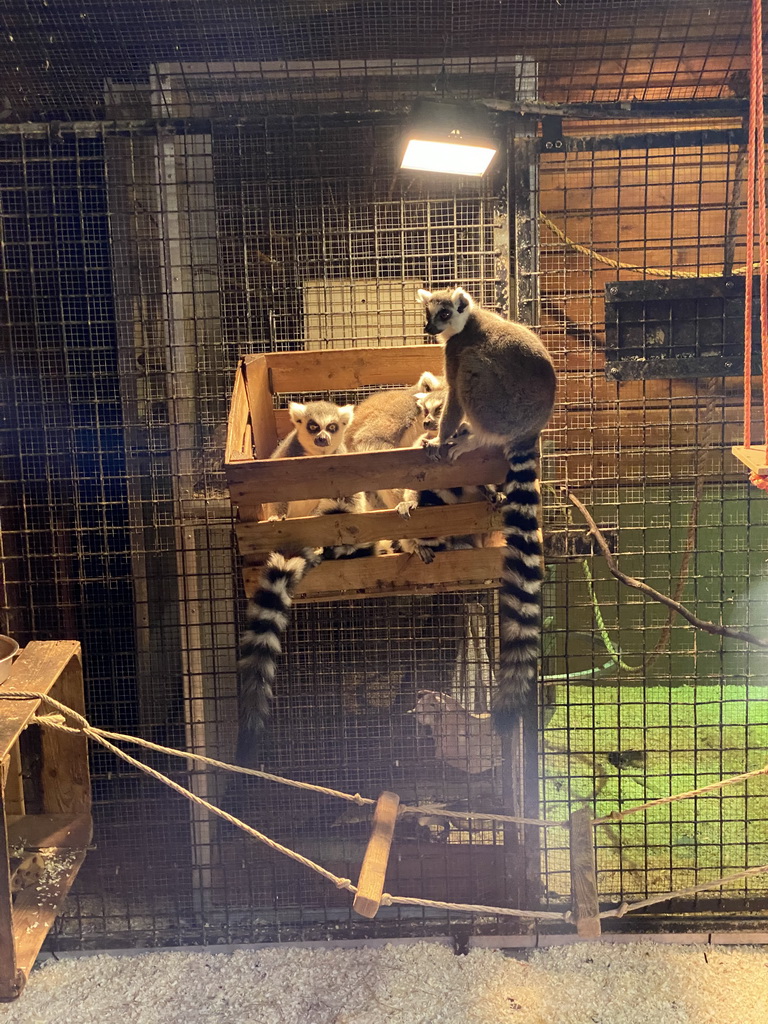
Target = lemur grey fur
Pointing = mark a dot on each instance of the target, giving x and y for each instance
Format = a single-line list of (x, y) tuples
[(389, 419), (426, 548), (319, 429), (501, 381)]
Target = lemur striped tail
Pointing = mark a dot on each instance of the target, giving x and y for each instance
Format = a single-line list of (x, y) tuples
[(267, 619), (520, 591)]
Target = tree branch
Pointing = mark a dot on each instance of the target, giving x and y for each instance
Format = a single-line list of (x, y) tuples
[(630, 581)]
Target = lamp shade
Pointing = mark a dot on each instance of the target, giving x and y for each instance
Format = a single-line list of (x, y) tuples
[(448, 138)]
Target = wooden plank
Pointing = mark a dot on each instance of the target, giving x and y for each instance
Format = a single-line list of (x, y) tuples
[(260, 405), (370, 882), (586, 909), (387, 575), (38, 905), (11, 979), (754, 458), (64, 775), (334, 476), (62, 831), (345, 369), (361, 528), (36, 670), (14, 783), (239, 434)]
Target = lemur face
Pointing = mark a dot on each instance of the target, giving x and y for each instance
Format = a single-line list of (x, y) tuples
[(431, 405), (320, 426), (446, 311)]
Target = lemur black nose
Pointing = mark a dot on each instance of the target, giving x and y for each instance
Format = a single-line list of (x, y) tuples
[(321, 441), (433, 329)]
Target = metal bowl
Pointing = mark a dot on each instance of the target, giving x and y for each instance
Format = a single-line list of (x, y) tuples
[(8, 651)]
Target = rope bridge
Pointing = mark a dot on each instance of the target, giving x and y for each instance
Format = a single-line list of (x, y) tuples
[(368, 893)]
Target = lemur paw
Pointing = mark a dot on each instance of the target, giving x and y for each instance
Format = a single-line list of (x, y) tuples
[(433, 448), (404, 509)]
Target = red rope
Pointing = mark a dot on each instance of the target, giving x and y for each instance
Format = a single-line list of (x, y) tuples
[(756, 182), (761, 215)]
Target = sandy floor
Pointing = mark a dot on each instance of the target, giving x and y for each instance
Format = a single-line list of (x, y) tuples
[(425, 984)]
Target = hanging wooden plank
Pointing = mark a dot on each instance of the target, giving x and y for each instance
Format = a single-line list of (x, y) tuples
[(373, 873), (586, 909), (754, 458)]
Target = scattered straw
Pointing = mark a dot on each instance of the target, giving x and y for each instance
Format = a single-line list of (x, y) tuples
[(421, 984)]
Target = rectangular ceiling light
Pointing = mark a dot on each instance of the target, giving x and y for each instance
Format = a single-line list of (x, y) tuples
[(448, 138)]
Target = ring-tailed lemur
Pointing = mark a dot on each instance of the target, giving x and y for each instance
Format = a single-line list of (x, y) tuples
[(501, 381), (426, 548), (390, 419), (319, 428)]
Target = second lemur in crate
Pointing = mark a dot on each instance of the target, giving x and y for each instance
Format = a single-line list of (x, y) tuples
[(390, 419), (426, 548), (501, 381)]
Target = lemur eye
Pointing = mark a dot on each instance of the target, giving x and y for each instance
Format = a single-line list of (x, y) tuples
[(332, 428), (312, 427), (444, 314)]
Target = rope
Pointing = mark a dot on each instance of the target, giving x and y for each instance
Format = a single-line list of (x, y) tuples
[(618, 815), (619, 265), (356, 798), (716, 883), (57, 721)]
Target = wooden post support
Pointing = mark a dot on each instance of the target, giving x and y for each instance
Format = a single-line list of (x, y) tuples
[(370, 883), (586, 909)]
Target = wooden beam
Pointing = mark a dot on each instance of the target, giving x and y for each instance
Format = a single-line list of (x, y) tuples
[(388, 575), (373, 873), (239, 446), (348, 368), (335, 476), (64, 775), (586, 909), (37, 669), (259, 399), (362, 528), (12, 980)]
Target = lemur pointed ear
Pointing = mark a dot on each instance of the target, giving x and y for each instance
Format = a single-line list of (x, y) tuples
[(296, 411), (346, 414), (428, 382), (423, 295), (460, 299)]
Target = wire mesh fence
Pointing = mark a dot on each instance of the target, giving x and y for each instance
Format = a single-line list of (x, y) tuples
[(209, 204)]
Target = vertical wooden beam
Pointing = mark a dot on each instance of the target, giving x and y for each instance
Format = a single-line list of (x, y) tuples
[(11, 978), (586, 909), (64, 774), (370, 884)]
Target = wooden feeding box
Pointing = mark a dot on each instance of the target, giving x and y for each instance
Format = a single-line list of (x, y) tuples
[(46, 826), (255, 427)]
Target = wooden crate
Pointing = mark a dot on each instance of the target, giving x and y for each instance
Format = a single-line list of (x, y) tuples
[(61, 825), (255, 427)]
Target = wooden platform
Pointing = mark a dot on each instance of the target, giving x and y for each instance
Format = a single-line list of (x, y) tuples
[(61, 832), (753, 457)]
